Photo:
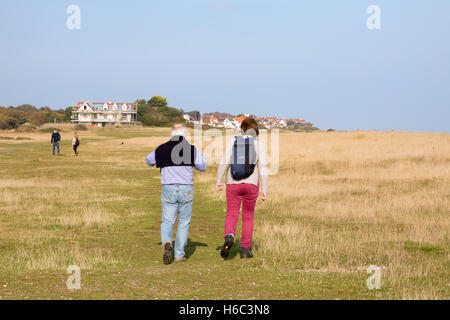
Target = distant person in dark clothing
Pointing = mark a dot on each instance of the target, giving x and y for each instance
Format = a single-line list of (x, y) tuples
[(56, 137), (75, 143)]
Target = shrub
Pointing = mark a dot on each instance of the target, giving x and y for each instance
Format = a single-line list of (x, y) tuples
[(8, 123), (50, 130), (80, 127), (3, 124), (156, 112), (37, 118), (26, 128)]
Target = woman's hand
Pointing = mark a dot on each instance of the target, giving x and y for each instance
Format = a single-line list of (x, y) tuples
[(219, 187), (263, 196)]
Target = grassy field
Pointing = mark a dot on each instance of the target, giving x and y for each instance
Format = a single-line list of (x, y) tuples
[(340, 202)]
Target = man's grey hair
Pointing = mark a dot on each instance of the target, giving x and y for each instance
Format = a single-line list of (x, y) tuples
[(178, 129)]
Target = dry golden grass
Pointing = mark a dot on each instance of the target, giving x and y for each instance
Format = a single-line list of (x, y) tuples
[(341, 201), (39, 255)]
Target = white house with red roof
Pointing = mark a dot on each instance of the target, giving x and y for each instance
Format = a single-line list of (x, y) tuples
[(104, 113)]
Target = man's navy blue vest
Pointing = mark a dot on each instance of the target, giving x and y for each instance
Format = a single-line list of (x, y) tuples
[(175, 152)]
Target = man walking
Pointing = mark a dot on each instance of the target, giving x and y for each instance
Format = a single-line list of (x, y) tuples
[(56, 137), (176, 159)]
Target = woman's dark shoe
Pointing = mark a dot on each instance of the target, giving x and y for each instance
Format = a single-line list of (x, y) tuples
[(225, 252), (246, 253), (167, 255)]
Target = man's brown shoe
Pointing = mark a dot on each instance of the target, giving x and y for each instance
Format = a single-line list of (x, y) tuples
[(167, 255), (183, 259)]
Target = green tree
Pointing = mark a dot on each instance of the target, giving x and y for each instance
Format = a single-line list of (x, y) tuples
[(158, 102), (68, 114), (46, 108), (26, 108), (142, 108), (157, 112), (58, 115)]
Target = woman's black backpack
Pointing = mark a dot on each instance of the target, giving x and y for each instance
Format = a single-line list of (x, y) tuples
[(243, 158)]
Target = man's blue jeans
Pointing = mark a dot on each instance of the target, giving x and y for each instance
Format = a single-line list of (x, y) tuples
[(55, 144), (176, 198)]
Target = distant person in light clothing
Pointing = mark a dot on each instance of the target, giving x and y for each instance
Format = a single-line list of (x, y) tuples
[(176, 159), (75, 143), (56, 138)]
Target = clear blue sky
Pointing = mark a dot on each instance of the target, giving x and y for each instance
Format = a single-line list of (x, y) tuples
[(310, 59)]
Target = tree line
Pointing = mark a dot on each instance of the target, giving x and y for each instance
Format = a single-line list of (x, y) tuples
[(153, 112), (13, 117)]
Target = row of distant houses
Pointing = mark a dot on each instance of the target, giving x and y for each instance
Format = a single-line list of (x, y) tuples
[(111, 113), (229, 122)]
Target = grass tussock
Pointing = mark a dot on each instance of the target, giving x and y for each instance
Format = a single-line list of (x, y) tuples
[(58, 258), (85, 217)]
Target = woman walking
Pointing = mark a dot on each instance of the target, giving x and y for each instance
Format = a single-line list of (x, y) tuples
[(75, 143), (244, 163)]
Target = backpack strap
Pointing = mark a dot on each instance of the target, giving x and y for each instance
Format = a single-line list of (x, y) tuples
[(247, 155), (234, 153)]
